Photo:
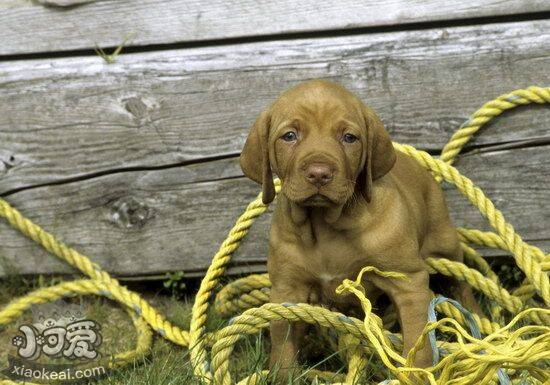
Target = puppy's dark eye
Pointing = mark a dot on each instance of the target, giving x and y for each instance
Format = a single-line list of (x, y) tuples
[(349, 138), (289, 136)]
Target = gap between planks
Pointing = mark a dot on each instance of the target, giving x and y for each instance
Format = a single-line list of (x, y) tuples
[(340, 32)]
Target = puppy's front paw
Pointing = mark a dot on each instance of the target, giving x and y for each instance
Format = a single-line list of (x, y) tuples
[(279, 375)]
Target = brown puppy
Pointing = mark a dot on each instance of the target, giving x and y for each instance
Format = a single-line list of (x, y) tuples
[(349, 200)]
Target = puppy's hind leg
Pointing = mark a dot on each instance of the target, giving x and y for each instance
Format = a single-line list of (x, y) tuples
[(462, 291), (465, 296), (444, 243)]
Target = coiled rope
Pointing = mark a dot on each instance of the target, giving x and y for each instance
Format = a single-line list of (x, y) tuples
[(518, 348)]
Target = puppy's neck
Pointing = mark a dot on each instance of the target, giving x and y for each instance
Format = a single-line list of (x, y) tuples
[(331, 215), (300, 214)]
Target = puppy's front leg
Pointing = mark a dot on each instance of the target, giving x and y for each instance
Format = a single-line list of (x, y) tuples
[(411, 299), (286, 337)]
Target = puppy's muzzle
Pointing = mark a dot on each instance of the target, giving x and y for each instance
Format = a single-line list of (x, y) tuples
[(318, 174)]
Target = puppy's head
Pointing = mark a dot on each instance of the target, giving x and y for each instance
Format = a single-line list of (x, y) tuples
[(323, 143)]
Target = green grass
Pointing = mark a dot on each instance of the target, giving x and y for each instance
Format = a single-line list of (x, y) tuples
[(166, 363)]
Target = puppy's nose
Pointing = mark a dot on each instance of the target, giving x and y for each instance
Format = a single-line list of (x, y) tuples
[(318, 174)]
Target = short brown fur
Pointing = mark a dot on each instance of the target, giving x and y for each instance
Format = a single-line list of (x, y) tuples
[(346, 203)]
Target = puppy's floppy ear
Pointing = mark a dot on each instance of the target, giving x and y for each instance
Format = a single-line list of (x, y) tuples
[(254, 158), (381, 155)]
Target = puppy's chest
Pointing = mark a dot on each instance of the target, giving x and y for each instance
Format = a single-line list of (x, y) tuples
[(331, 256), (328, 263)]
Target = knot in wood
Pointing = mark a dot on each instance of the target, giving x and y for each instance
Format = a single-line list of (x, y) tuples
[(129, 212), (136, 107)]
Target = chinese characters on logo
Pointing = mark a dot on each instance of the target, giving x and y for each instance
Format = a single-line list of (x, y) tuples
[(70, 336)]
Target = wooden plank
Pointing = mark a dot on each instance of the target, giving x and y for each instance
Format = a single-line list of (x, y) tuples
[(146, 222), (161, 108), (30, 27)]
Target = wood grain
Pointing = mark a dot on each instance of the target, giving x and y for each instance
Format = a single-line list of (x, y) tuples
[(60, 25), (62, 119), (146, 222)]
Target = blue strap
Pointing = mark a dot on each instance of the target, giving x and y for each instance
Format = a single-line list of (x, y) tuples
[(474, 329)]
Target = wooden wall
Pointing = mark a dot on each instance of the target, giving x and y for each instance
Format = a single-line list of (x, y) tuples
[(135, 163)]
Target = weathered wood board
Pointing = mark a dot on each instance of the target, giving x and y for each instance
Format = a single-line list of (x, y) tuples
[(179, 106), (134, 163), (146, 222), (32, 26)]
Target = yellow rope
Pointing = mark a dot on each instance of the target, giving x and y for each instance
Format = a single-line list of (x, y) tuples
[(469, 360)]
